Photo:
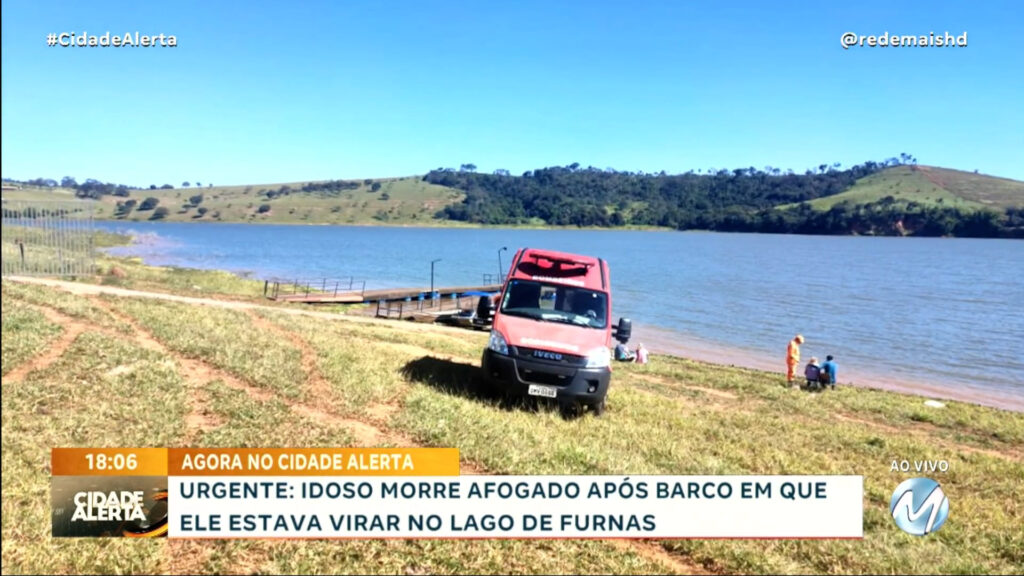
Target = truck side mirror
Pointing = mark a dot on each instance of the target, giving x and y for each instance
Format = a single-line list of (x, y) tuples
[(483, 308), (624, 330)]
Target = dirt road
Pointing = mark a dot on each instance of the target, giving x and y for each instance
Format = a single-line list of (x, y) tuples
[(83, 289)]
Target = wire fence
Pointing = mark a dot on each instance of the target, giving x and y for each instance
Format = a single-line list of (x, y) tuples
[(48, 238)]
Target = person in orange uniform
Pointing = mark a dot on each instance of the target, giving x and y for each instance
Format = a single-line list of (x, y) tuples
[(793, 357)]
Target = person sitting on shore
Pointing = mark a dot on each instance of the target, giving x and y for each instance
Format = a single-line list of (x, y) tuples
[(623, 354), (811, 372), (641, 354), (828, 370)]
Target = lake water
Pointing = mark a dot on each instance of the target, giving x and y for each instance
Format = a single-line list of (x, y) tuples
[(941, 317)]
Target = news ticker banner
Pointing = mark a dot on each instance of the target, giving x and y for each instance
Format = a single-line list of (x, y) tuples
[(418, 493)]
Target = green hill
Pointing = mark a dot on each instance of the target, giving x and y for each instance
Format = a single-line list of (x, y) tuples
[(887, 197), (32, 193), (987, 190), (390, 200), (407, 200), (930, 186)]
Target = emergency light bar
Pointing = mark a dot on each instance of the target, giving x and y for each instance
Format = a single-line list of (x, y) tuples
[(539, 258)]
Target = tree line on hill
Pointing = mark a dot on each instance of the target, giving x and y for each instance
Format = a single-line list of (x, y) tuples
[(739, 200), (94, 189), (330, 187), (885, 217), (124, 207), (91, 188)]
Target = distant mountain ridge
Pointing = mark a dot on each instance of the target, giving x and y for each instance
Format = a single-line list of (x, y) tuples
[(894, 197)]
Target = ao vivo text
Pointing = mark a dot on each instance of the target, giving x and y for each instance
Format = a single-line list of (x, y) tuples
[(919, 466)]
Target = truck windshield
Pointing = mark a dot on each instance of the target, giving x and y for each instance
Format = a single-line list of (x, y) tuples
[(556, 303)]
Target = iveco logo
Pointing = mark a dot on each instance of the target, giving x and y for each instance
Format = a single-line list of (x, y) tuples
[(547, 355)]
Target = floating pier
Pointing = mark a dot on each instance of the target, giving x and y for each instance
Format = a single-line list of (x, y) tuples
[(350, 291)]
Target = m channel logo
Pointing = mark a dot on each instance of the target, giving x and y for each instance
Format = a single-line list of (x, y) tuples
[(919, 506)]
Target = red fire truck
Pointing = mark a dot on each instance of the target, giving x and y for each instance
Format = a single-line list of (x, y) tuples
[(551, 330)]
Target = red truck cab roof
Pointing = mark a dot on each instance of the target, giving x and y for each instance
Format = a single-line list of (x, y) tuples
[(555, 301), (561, 268)]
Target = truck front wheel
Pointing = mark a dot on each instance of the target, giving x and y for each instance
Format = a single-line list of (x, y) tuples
[(570, 410)]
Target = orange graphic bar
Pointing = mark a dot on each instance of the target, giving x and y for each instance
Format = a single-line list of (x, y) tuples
[(108, 461), (313, 461)]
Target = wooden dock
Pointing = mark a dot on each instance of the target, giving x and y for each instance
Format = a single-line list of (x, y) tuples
[(385, 294)]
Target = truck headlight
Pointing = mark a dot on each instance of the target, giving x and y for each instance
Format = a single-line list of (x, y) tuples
[(599, 358), (497, 343)]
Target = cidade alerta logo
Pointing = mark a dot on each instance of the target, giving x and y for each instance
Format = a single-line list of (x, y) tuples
[(919, 506), (95, 505)]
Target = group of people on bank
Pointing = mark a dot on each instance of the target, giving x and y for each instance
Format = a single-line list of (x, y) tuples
[(818, 376), (624, 354)]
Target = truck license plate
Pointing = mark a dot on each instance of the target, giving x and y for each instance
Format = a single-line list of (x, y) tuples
[(545, 391)]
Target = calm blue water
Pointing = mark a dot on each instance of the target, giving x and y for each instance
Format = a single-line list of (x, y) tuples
[(942, 316)]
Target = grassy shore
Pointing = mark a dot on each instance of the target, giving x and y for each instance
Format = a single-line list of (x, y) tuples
[(207, 376)]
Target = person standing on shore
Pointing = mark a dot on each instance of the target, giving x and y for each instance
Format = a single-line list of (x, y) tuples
[(793, 357)]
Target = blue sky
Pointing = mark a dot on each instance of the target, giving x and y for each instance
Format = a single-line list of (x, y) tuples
[(260, 92)]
